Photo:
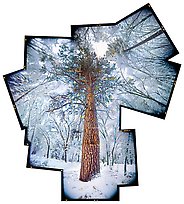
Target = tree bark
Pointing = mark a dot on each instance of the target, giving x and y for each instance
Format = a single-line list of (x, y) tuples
[(90, 161)]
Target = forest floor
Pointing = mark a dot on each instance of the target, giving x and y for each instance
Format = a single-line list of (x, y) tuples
[(103, 186)]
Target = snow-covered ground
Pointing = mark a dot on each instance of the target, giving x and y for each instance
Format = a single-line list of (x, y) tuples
[(103, 186)]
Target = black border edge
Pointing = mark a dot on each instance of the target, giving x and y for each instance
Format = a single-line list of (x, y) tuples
[(176, 52), (135, 182), (11, 97), (75, 27)]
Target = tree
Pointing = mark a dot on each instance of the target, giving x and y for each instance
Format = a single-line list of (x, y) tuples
[(47, 139), (67, 122), (90, 80), (86, 75), (125, 63)]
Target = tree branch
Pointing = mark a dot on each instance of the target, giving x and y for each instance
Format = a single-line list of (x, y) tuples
[(146, 40)]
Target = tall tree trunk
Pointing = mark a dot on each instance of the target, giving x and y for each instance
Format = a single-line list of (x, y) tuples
[(90, 161)]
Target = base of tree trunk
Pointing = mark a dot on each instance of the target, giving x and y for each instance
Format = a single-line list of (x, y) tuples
[(90, 165)]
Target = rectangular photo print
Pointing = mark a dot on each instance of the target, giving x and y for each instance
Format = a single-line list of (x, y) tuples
[(118, 167)]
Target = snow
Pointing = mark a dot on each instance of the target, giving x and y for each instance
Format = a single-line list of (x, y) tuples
[(37, 161), (103, 186)]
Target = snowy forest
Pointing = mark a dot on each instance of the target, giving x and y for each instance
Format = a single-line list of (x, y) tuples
[(69, 94)]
